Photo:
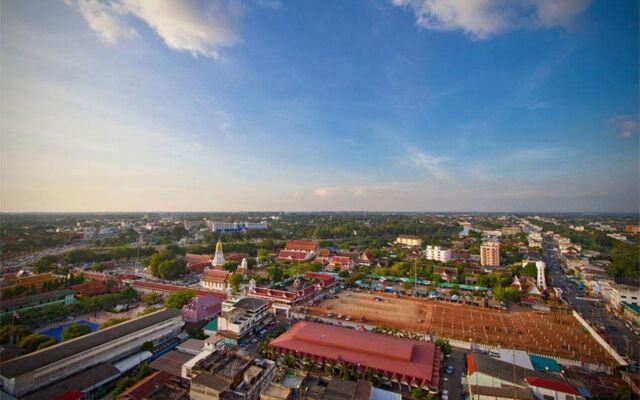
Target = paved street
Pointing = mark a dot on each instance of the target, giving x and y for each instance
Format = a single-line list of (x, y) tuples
[(453, 382), (623, 340)]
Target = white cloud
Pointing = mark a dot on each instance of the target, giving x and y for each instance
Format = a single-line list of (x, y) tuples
[(482, 19), (195, 26), (105, 19), (429, 163), (626, 125)]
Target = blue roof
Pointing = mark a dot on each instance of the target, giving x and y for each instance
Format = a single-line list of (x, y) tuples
[(545, 363)]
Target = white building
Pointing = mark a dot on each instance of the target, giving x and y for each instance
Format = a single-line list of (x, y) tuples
[(437, 253), (409, 241), (33, 371), (240, 317), (541, 281), (624, 294)]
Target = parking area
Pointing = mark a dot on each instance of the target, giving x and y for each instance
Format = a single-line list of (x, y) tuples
[(553, 334)]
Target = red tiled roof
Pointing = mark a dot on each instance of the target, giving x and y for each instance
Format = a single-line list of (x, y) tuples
[(305, 245), (214, 275), (167, 288), (198, 258), (403, 358), (90, 288), (70, 395), (147, 386), (552, 385), (296, 255)]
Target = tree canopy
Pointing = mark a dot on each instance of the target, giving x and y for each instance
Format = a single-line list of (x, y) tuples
[(180, 298)]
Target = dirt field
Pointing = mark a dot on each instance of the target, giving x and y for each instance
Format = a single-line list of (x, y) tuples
[(558, 335)]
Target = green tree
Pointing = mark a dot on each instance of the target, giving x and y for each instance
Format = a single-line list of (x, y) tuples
[(235, 280), (112, 322), (180, 298), (151, 298), (172, 269), (36, 341), (98, 267), (75, 331)]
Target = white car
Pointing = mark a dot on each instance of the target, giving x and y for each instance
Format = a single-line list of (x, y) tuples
[(445, 395)]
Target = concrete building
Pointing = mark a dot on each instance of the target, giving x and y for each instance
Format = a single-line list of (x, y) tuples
[(30, 372), (228, 375), (241, 317), (38, 300), (510, 230), (409, 241), (624, 294), (541, 281), (490, 254), (237, 226), (490, 378), (438, 253)]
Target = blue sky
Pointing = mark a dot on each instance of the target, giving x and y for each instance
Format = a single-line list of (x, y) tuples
[(434, 105)]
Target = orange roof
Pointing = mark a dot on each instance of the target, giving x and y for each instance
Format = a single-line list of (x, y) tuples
[(198, 258), (32, 279), (214, 275), (305, 245), (146, 386), (392, 355)]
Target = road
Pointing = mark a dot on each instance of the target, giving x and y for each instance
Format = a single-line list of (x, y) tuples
[(453, 382), (623, 340)]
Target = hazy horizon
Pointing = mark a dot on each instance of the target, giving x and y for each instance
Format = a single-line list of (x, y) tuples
[(381, 105)]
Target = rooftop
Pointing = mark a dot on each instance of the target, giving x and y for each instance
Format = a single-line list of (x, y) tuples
[(400, 356), (36, 298), (50, 355)]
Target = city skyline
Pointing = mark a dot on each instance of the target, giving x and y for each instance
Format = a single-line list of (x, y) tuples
[(403, 105)]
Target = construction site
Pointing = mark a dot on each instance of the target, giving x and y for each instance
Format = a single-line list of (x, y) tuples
[(552, 334)]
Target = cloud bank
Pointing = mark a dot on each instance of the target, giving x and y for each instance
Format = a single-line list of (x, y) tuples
[(194, 26), (482, 19)]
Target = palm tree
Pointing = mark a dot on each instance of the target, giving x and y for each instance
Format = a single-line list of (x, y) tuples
[(329, 365), (344, 370)]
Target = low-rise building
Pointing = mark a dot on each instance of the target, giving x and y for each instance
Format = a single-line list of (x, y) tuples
[(215, 279), (38, 300), (202, 308), (621, 293), (405, 362), (409, 241), (33, 371), (228, 375), (241, 317)]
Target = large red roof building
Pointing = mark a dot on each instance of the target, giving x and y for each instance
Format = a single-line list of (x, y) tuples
[(299, 250), (404, 361)]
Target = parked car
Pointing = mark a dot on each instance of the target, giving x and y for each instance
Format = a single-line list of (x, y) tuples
[(445, 395), (450, 369)]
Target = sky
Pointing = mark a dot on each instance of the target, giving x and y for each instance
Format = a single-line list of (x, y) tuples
[(379, 105)]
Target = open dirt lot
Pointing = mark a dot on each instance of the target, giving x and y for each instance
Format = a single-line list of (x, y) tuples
[(558, 335)]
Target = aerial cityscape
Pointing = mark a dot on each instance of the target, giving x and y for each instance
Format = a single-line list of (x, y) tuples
[(336, 200)]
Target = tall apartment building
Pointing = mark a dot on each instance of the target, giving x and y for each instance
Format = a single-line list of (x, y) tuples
[(490, 254), (437, 253)]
